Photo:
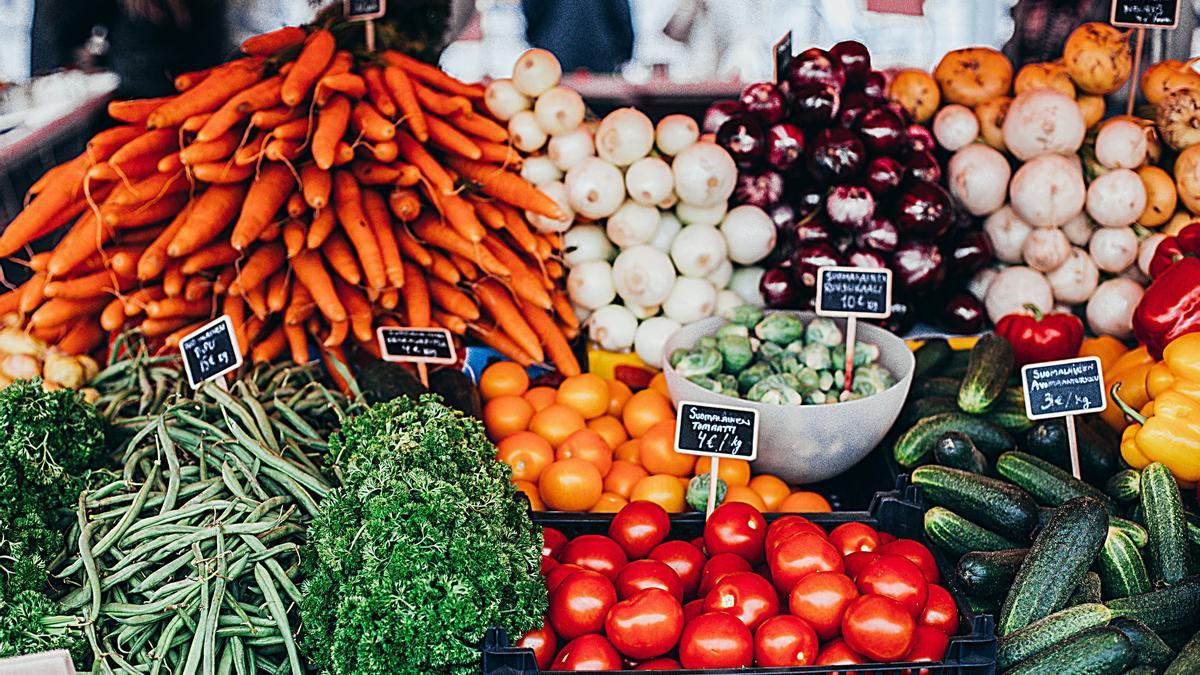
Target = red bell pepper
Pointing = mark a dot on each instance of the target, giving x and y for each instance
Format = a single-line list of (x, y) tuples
[(1172, 249), (1036, 337), (1170, 307)]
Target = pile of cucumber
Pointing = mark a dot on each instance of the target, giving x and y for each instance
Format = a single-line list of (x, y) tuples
[(1089, 576)]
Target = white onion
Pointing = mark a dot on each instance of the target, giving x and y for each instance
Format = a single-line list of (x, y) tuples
[(1117, 198), (581, 313), (1045, 249), (558, 192), (559, 110), (624, 136), (632, 224), (641, 312), (690, 300), (1146, 251), (1110, 309), (570, 149), (525, 132), (1121, 144), (539, 170), (1042, 121), (668, 227), (955, 126), (1079, 229), (590, 284), (595, 188), (649, 181), (674, 133), (978, 285), (585, 243), (612, 327), (727, 300), (1008, 233), (651, 336), (1048, 190), (978, 176), (745, 283), (749, 234), (1075, 279), (1013, 288), (720, 277), (670, 202), (503, 100), (704, 174), (643, 275), (536, 71), (701, 215), (1114, 249), (698, 250)]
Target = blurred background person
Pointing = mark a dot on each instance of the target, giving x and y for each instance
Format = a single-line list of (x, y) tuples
[(594, 35)]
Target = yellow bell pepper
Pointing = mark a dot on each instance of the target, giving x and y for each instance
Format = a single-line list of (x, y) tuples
[(1106, 347), (1167, 429), (1130, 371)]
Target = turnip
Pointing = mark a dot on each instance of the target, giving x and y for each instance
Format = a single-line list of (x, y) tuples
[(1097, 56), (1048, 190), (1043, 121), (558, 192), (668, 227), (536, 71), (1187, 178), (1114, 248), (978, 177), (727, 300), (641, 312), (559, 110), (1178, 118), (720, 277), (1110, 310), (1043, 76), (704, 174), (525, 132), (689, 214), (955, 126), (503, 100), (1161, 197), (595, 188), (749, 234), (670, 202), (643, 275), (674, 133), (1146, 250), (649, 181), (698, 250), (1116, 199), (1013, 288), (1121, 144), (570, 149), (1079, 229), (1008, 233), (581, 313), (690, 300), (585, 243), (590, 284), (651, 335), (624, 136), (540, 170), (612, 327), (979, 284), (1074, 280), (745, 283), (632, 224), (1134, 274), (1045, 249)]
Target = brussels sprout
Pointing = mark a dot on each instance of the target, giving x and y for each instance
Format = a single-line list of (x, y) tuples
[(706, 342), (706, 382), (728, 383), (736, 353), (816, 356), (732, 329), (746, 316), (863, 354), (704, 361), (809, 380), (839, 379), (769, 351), (871, 379), (789, 363), (826, 380), (751, 375), (824, 331), (780, 328), (755, 343), (796, 347), (818, 398), (697, 491), (779, 389), (677, 356), (849, 396)]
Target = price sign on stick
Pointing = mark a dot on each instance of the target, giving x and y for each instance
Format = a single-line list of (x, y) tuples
[(1142, 14), (716, 432), (366, 10), (211, 351), (783, 55), (1064, 389), (416, 345), (854, 292)]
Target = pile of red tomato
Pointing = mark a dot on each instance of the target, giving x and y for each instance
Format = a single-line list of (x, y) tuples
[(744, 594)]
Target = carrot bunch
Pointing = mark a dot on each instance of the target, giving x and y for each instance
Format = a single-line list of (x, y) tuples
[(309, 195)]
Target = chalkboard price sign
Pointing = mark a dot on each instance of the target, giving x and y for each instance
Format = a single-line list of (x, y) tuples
[(1145, 13), (1060, 388), (364, 10), (210, 351), (783, 55), (854, 291), (716, 431), (416, 345)]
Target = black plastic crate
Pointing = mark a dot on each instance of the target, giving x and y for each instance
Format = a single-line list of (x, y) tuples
[(897, 512)]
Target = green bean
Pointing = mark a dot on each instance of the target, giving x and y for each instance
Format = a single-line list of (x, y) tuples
[(278, 463), (89, 566), (231, 405), (123, 525), (216, 598), (239, 656), (159, 654), (97, 497), (251, 479), (275, 605), (196, 648), (263, 422), (168, 447), (274, 567), (231, 481)]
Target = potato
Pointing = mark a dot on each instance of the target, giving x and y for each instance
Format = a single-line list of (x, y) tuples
[(1092, 107), (63, 370), (1164, 77), (1044, 76), (1178, 118), (973, 75), (1098, 57), (1160, 196), (917, 92), (991, 120), (1187, 178)]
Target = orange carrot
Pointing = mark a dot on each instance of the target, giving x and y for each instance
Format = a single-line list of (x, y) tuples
[(349, 84), (31, 222), (468, 269), (174, 280), (252, 328), (81, 242), (498, 153), (415, 154), (452, 140), (172, 341), (441, 268), (376, 210), (112, 317), (219, 86), (135, 111), (341, 64), (293, 237), (277, 291), (197, 288), (185, 81), (277, 40), (432, 75), (82, 338), (446, 239), (411, 248), (292, 130), (296, 206), (32, 293), (269, 348), (135, 302), (358, 309), (104, 144), (389, 299), (374, 126), (525, 283), (450, 322), (49, 334), (297, 342), (155, 141), (256, 300), (500, 305), (382, 151), (262, 263), (377, 91), (316, 55), (478, 125), (452, 300), (562, 307), (344, 154), (405, 204), (128, 217), (348, 202), (222, 173), (123, 262), (266, 195), (331, 126), (323, 223), (59, 311), (273, 117), (261, 96), (310, 271), (91, 285), (496, 339), (416, 297), (556, 343), (506, 186), (459, 213), (317, 184), (215, 150), (373, 173), (279, 150), (210, 214), (489, 214), (217, 254), (157, 185), (128, 171), (235, 307), (341, 258), (170, 307), (195, 122), (300, 307), (400, 87), (440, 104)]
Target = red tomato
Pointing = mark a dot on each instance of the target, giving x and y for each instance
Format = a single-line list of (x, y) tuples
[(855, 562), (639, 526), (659, 664), (718, 566), (879, 628), (595, 552), (836, 653), (587, 652), (716, 640), (852, 537), (641, 574), (821, 599), (685, 559), (543, 642), (548, 564), (552, 542), (785, 527), (916, 552), (646, 625), (580, 603), (736, 527), (785, 640), (799, 555), (745, 595), (886, 538), (929, 644), (940, 611), (557, 574), (895, 577), (698, 542)]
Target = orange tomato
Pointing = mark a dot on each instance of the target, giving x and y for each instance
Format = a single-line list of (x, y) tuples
[(659, 383), (588, 445), (645, 409), (1106, 347), (527, 453), (741, 493), (772, 489), (622, 477), (609, 503), (503, 378), (610, 428), (540, 398), (662, 489), (555, 423), (802, 501), (658, 451), (618, 395), (506, 415), (586, 393), (571, 485), (732, 471), (630, 451), (531, 491)]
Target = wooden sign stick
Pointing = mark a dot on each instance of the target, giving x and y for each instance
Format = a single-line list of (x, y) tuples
[(712, 487), (851, 334), (1073, 444), (423, 373), (1133, 76)]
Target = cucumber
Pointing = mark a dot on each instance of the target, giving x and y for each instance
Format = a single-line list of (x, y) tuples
[(1149, 648), (1088, 590), (915, 446), (1163, 508), (999, 506), (1012, 397), (957, 367), (955, 450), (930, 405), (990, 363), (957, 536), (1056, 562), (1096, 651), (981, 605), (1047, 632), (943, 387), (1121, 567), (1098, 459), (1125, 486), (1169, 609), (1142, 670), (1045, 513), (931, 357), (1136, 533), (1009, 418), (1188, 660), (1047, 483), (989, 573)]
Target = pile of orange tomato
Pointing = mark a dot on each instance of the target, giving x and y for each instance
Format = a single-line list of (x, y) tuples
[(595, 445)]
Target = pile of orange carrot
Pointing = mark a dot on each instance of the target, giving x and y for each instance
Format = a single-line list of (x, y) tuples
[(309, 194)]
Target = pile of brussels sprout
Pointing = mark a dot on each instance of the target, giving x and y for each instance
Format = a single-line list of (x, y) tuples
[(777, 359)]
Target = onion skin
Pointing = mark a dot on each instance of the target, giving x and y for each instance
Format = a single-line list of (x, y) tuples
[(1110, 309)]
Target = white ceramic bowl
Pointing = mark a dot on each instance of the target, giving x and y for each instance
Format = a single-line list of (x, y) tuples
[(809, 443)]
